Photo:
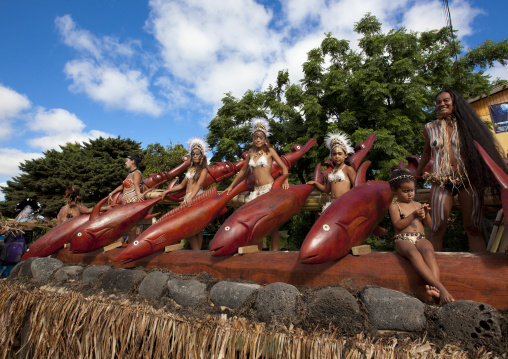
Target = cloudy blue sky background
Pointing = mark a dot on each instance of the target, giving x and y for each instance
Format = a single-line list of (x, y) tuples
[(155, 71)]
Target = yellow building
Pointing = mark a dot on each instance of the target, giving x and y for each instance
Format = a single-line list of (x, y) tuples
[(494, 108)]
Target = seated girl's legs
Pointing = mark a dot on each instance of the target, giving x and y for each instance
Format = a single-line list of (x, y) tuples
[(441, 201), (411, 252), (427, 251), (472, 215)]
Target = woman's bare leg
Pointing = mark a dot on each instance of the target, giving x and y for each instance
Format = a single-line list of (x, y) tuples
[(472, 215), (441, 202)]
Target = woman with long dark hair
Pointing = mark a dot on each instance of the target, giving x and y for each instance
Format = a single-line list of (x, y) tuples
[(458, 168)]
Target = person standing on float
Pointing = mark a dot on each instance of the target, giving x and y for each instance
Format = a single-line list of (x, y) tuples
[(259, 159), (458, 168)]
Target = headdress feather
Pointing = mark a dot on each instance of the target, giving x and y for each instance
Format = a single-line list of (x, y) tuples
[(199, 143), (260, 124), (335, 139)]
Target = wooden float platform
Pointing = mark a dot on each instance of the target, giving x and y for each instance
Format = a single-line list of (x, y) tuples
[(477, 277)]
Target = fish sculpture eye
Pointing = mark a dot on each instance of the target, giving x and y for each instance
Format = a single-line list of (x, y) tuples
[(136, 243), (298, 147), (80, 234), (227, 228), (326, 227)]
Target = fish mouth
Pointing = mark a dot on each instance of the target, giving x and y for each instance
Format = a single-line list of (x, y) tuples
[(216, 250), (308, 259)]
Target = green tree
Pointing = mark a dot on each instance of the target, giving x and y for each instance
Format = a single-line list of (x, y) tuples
[(387, 87), (159, 158), (96, 167)]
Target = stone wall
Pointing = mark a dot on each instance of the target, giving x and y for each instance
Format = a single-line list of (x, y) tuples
[(373, 310)]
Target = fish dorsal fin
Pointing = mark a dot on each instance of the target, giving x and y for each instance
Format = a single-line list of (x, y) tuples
[(209, 193), (97, 209), (361, 175), (501, 176), (318, 175), (278, 182), (171, 184)]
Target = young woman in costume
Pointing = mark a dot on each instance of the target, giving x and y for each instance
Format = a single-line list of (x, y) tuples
[(408, 219), (193, 180), (458, 168), (131, 186), (72, 208), (259, 160), (342, 177)]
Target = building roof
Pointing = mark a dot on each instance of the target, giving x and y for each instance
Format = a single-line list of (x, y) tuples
[(494, 91)]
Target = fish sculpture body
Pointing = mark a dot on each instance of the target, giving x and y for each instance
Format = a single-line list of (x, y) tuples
[(346, 222), (105, 228), (55, 239), (261, 216), (179, 223)]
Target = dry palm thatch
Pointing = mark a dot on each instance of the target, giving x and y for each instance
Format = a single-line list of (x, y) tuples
[(68, 325)]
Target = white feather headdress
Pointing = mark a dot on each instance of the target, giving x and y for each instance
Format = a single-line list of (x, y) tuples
[(335, 139), (199, 143), (260, 124)]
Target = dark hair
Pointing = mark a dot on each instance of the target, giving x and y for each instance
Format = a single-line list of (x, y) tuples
[(400, 176), (72, 193), (136, 158), (471, 127)]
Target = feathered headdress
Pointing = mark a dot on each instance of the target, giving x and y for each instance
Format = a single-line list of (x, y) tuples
[(28, 202), (199, 143), (260, 124), (335, 139)]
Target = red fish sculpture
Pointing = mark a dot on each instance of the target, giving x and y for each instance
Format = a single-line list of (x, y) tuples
[(501, 177), (179, 223), (346, 222), (105, 228), (155, 179), (55, 239), (412, 164), (261, 216)]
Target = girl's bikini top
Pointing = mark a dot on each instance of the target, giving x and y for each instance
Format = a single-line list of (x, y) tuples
[(128, 183), (337, 176), (402, 216), (190, 174), (261, 162)]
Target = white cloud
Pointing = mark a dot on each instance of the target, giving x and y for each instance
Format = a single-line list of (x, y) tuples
[(215, 47), (498, 71), (60, 127), (11, 158), (114, 87), (12, 104), (423, 16), (106, 70)]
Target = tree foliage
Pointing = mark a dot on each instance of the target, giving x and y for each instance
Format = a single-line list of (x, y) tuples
[(96, 167), (386, 87), (159, 158)]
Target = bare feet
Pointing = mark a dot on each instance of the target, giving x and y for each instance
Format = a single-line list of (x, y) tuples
[(446, 297), (432, 291)]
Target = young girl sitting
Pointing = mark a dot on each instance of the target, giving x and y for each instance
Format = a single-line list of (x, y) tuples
[(193, 180), (408, 218), (259, 159), (342, 177)]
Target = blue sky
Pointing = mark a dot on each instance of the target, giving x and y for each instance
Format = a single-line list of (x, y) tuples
[(155, 71)]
